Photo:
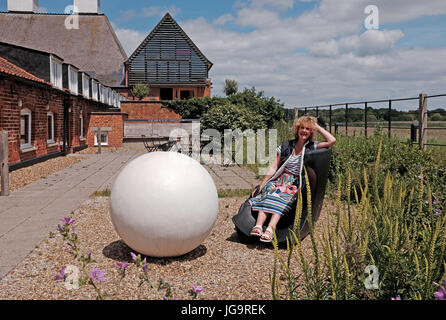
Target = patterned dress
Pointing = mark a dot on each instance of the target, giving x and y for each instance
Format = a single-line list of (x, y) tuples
[(278, 195)]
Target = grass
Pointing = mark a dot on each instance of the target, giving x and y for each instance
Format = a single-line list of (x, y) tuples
[(102, 193)]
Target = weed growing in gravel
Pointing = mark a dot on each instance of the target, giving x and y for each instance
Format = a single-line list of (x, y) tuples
[(74, 278), (71, 275)]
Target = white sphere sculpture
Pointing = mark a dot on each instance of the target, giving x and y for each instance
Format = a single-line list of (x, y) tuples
[(163, 204)]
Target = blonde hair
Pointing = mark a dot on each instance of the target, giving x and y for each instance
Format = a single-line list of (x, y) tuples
[(309, 122)]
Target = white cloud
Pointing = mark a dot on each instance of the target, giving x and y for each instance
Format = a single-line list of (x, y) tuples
[(322, 56), (130, 39), (159, 11), (223, 19)]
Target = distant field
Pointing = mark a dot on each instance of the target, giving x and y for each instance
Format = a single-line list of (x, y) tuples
[(436, 131)]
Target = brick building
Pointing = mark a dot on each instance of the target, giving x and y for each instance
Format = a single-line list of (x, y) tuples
[(56, 84), (54, 111)]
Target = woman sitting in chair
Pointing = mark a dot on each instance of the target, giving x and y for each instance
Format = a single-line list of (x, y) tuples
[(283, 180)]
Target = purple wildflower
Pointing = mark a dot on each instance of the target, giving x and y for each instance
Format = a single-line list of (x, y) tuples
[(421, 176), (133, 256), (122, 265), (422, 168), (74, 230), (435, 201), (441, 293), (89, 256), (67, 221), (437, 212), (427, 201), (197, 289), (337, 152), (398, 297), (60, 275), (144, 267), (97, 275), (59, 227)]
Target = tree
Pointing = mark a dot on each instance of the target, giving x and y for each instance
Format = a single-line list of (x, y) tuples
[(231, 87), (140, 90)]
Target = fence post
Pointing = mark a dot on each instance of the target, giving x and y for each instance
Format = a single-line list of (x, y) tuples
[(422, 119), (99, 138), (330, 116), (390, 118), (346, 119), (296, 112), (365, 118), (4, 166)]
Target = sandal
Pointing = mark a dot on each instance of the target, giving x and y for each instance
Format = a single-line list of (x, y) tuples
[(267, 236), (257, 231)]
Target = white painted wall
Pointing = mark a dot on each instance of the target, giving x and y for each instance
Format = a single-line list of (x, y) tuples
[(23, 5), (87, 6)]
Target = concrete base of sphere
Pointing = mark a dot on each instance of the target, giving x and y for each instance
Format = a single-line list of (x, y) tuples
[(163, 204)]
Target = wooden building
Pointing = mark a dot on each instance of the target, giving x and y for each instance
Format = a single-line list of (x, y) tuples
[(169, 63)]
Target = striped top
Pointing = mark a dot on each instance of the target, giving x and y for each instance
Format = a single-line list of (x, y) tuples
[(294, 163)]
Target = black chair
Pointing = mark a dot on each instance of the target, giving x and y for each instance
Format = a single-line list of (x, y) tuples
[(317, 163)]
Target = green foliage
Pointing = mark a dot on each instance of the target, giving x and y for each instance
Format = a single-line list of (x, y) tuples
[(270, 108), (390, 213), (252, 103), (230, 116), (231, 87), (140, 90)]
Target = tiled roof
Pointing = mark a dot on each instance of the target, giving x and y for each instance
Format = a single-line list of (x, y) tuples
[(93, 48), (11, 69)]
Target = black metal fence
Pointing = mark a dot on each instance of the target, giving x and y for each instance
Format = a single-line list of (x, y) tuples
[(416, 122)]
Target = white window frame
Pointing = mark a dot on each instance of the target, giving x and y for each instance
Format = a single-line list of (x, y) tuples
[(81, 122), (103, 134), (51, 115), (110, 96), (73, 77), (100, 93), (95, 90), (56, 72), (26, 112), (86, 85)]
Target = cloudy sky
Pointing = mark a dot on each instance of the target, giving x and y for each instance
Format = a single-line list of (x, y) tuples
[(304, 52)]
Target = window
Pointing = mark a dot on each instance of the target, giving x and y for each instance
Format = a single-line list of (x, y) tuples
[(104, 138), (56, 72), (72, 80), (81, 127), (166, 93), (25, 128), (110, 96), (94, 89), (104, 95), (86, 86), (50, 130)]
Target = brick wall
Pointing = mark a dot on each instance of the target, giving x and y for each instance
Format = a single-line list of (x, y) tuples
[(147, 110), (110, 122), (41, 99)]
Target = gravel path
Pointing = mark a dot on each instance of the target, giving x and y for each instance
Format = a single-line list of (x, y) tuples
[(21, 177), (223, 266)]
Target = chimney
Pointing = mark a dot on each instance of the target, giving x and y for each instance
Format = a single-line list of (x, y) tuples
[(29, 6), (87, 6)]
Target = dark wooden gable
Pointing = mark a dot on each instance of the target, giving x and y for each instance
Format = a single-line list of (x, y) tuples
[(168, 56)]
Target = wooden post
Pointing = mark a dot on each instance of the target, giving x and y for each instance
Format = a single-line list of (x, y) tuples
[(4, 160), (296, 112), (422, 119), (99, 138), (365, 118)]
